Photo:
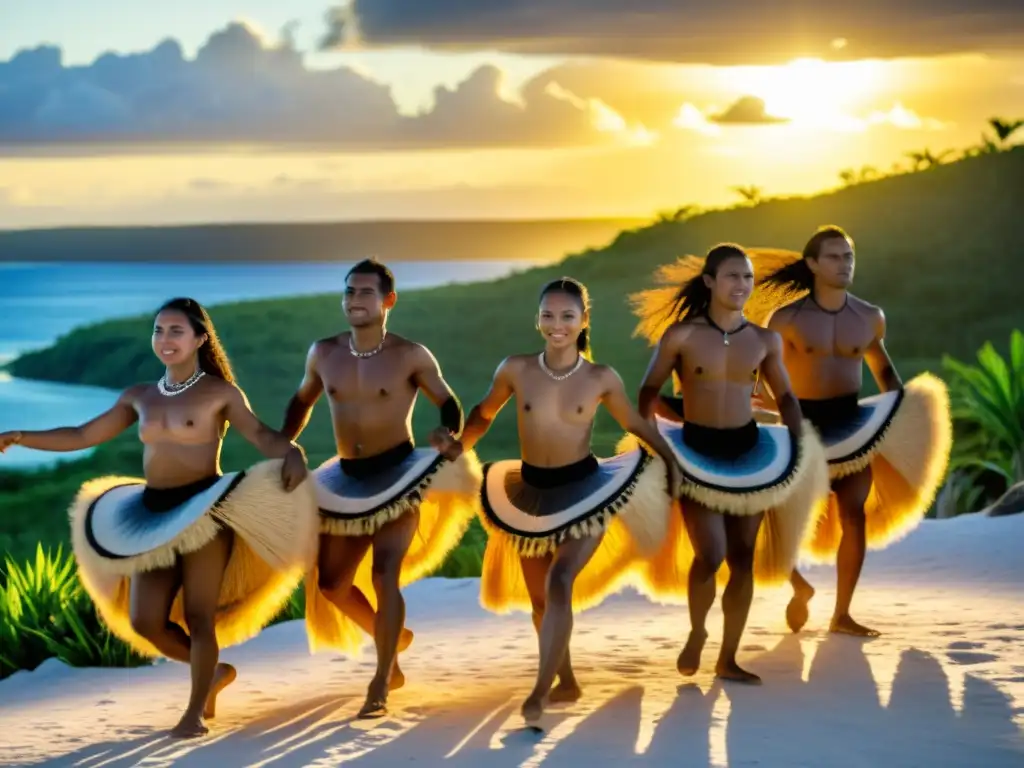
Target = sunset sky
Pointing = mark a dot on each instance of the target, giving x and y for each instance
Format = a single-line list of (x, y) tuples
[(258, 110)]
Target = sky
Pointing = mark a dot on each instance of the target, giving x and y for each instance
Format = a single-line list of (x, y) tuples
[(252, 110)]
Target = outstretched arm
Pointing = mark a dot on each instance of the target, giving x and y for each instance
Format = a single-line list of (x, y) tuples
[(269, 442), (878, 360), (618, 405), (300, 407), (483, 415), (776, 376), (104, 427), (662, 363), (427, 376)]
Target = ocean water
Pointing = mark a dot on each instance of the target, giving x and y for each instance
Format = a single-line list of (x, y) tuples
[(40, 302)]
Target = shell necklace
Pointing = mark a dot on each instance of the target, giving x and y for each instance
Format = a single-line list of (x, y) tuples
[(167, 389), (356, 353), (559, 376), (725, 334)]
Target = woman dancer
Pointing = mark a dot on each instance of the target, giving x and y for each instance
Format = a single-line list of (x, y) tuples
[(751, 490), (565, 528), (188, 560)]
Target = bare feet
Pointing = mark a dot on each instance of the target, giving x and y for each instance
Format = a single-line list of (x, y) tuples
[(189, 727), (405, 639), (376, 704), (732, 671), (797, 611), (533, 708), (844, 625), (223, 676), (565, 692), (689, 658)]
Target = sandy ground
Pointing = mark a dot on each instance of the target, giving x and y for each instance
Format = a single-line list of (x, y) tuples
[(944, 686)]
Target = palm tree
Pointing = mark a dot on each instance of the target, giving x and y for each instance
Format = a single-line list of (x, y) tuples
[(1004, 128), (751, 193), (988, 399)]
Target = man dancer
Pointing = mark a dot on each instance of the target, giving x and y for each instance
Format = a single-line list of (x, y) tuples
[(410, 505), (887, 453)]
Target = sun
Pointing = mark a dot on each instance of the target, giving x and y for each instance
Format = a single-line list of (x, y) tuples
[(810, 91)]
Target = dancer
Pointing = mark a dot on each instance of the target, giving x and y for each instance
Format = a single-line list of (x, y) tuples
[(565, 528), (887, 453), (189, 560), (410, 505), (738, 473)]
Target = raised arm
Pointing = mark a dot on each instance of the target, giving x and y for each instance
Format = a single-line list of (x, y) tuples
[(878, 360), (427, 376), (483, 414), (268, 441), (103, 428), (300, 407), (621, 409), (662, 363), (777, 378)]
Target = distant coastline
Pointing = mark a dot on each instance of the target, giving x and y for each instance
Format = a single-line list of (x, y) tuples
[(405, 240)]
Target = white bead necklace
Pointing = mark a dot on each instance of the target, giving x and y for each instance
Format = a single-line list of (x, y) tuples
[(167, 389), (559, 376), (356, 353)]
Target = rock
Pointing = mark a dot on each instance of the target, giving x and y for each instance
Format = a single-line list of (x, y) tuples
[(1010, 503)]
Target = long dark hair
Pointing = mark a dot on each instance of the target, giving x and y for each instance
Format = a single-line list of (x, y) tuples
[(693, 298), (577, 290), (797, 276), (213, 360)]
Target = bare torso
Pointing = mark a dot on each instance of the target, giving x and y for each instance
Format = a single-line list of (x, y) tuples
[(718, 379), (824, 351), (372, 398), (555, 418), (182, 435)]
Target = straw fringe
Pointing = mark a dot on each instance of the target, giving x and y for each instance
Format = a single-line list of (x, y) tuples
[(907, 467), (446, 508), (273, 544), (631, 528)]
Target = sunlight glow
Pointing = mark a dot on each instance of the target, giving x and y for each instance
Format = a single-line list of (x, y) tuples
[(718, 742), (604, 118)]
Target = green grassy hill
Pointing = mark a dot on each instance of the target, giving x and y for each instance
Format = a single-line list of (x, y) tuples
[(937, 249)]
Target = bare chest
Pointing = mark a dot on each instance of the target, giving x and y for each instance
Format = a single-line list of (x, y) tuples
[(819, 334), (706, 357), (189, 417), (352, 380), (574, 400)]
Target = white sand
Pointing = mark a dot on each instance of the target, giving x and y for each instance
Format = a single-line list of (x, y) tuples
[(943, 687)]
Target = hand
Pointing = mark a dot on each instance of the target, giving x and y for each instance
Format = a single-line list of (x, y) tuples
[(7, 439), (445, 444), (293, 470), (757, 400)]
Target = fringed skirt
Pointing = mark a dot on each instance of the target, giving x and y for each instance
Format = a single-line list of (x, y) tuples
[(529, 511), (905, 437), (357, 497), (120, 528), (753, 469)]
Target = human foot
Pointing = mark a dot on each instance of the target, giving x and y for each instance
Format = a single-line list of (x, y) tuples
[(189, 727), (533, 708), (566, 691), (844, 625), (689, 658), (376, 704), (797, 611), (730, 670), (223, 676)]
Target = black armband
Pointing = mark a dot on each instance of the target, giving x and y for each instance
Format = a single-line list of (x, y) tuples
[(451, 415)]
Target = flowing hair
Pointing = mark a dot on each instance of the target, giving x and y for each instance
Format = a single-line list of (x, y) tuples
[(577, 290), (794, 280), (213, 360), (682, 295)]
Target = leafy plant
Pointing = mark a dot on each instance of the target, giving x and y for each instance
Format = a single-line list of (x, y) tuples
[(988, 400)]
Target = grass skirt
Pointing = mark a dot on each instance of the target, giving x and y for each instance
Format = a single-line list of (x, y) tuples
[(908, 454), (788, 483), (114, 537), (625, 501), (446, 493)]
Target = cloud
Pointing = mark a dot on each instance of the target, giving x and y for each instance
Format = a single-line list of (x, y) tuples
[(239, 90), (748, 110), (685, 31)]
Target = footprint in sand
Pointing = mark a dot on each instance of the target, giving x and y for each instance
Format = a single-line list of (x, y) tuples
[(965, 645), (968, 658)]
